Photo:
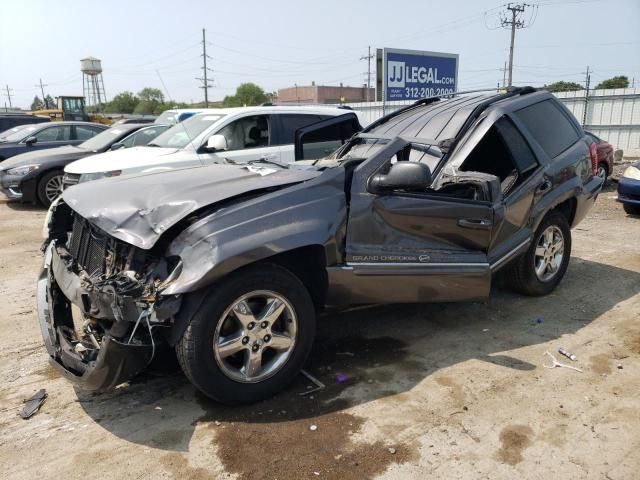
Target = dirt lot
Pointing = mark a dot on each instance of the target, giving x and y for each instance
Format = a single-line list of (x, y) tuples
[(431, 391)]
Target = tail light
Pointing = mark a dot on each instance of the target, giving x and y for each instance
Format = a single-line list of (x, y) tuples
[(593, 153)]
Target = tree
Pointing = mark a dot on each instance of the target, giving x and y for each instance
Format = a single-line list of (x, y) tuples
[(37, 104), (49, 102), (246, 94), (614, 82), (150, 99), (124, 102), (563, 86)]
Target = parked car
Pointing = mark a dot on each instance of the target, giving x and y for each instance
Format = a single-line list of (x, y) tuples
[(224, 134), (177, 115), (38, 176), (11, 120), (229, 263), (629, 189), (47, 135), (605, 156)]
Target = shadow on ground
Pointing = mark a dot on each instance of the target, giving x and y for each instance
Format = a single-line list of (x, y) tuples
[(382, 351)]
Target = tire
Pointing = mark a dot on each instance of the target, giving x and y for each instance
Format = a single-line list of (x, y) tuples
[(523, 276), (603, 172), (226, 377), (631, 209), (47, 184)]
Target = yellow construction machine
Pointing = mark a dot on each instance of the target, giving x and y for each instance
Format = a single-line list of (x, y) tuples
[(71, 108)]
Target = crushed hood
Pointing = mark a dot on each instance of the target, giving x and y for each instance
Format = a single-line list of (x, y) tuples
[(139, 209)]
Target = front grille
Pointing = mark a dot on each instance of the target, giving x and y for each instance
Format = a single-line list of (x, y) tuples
[(88, 246), (70, 179)]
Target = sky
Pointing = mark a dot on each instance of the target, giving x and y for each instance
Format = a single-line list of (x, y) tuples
[(279, 43)]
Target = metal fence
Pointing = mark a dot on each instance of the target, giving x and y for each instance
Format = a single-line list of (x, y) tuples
[(613, 115)]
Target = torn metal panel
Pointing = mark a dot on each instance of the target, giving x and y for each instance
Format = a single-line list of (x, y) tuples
[(139, 209)]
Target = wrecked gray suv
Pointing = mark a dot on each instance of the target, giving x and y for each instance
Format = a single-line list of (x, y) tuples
[(229, 264)]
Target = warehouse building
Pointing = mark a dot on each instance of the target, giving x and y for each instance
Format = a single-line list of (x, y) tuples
[(324, 94)]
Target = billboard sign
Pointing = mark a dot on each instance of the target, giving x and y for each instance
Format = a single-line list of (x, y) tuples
[(415, 74)]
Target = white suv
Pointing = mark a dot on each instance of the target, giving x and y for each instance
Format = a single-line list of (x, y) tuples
[(236, 134)]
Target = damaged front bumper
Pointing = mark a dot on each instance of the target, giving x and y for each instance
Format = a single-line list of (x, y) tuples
[(114, 360)]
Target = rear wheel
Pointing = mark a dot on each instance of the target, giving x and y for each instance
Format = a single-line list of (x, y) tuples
[(50, 186), (249, 338), (541, 268), (631, 209), (603, 171)]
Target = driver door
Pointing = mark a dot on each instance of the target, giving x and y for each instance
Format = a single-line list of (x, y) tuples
[(420, 245)]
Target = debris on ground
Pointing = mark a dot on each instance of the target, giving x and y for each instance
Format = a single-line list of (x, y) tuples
[(313, 428), (318, 383), (341, 378), (619, 366), (568, 354), (538, 321), (392, 450), (556, 363), (33, 404), (348, 354)]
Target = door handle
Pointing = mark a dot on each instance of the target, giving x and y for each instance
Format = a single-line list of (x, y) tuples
[(476, 223), (544, 186)]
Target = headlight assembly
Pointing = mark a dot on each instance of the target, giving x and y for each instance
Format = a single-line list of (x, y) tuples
[(22, 171)]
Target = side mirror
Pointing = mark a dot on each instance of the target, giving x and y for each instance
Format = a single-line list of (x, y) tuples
[(217, 143), (117, 146), (31, 140), (411, 176)]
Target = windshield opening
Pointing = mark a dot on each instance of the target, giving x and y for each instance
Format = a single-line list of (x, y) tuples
[(180, 135), (103, 139)]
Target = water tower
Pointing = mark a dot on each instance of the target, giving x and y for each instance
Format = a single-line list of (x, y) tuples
[(92, 82)]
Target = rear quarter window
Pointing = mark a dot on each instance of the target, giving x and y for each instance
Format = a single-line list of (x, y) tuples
[(549, 127)]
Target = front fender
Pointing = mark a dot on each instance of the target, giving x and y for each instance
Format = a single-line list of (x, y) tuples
[(313, 213)]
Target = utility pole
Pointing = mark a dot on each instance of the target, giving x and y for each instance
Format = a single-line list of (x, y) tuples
[(44, 99), (8, 95), (587, 83), (504, 75), (205, 82), (368, 58), (515, 22)]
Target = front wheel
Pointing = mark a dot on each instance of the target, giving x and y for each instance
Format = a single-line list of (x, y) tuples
[(541, 268), (250, 336), (50, 187)]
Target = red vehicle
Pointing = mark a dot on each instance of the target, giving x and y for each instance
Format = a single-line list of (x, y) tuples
[(605, 156)]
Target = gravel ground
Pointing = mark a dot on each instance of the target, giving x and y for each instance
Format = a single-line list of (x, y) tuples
[(430, 391)]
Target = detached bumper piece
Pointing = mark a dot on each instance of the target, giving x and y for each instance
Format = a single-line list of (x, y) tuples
[(114, 362)]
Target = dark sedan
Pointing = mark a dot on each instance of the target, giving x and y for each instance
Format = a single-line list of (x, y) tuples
[(47, 135), (37, 176)]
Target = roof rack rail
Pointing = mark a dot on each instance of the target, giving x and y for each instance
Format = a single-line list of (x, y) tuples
[(428, 100)]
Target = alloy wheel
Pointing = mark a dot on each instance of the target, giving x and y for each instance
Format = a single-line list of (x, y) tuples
[(53, 188), (255, 336), (549, 253)]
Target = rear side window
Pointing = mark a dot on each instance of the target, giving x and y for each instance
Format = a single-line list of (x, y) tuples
[(521, 153), (549, 126), (289, 123)]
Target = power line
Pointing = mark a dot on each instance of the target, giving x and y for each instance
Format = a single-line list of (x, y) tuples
[(368, 58)]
